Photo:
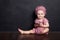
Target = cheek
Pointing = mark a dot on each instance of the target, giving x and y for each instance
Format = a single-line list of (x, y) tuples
[(38, 15), (43, 15)]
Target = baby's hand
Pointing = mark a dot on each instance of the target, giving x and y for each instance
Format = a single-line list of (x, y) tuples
[(36, 25), (41, 24)]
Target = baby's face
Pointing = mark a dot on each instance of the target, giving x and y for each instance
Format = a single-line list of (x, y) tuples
[(40, 14)]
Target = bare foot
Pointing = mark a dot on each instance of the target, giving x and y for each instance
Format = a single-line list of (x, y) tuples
[(23, 32), (20, 31)]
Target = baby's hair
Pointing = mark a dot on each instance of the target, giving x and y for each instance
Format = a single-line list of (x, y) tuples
[(40, 8)]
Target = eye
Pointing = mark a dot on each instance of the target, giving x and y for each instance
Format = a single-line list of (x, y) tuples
[(38, 14), (41, 13)]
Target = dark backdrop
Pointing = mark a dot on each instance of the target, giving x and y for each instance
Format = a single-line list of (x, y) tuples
[(20, 14)]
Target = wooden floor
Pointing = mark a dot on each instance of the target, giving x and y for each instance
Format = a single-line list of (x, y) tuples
[(17, 36)]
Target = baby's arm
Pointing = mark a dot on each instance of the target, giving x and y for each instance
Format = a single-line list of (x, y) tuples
[(46, 23), (36, 23)]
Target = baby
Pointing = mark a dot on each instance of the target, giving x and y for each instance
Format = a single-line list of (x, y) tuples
[(41, 23)]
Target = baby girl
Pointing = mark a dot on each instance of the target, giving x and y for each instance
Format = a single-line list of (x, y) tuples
[(41, 23)]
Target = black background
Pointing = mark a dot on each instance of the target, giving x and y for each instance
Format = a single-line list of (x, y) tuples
[(16, 14)]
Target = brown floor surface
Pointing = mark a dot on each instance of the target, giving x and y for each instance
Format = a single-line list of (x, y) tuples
[(17, 36)]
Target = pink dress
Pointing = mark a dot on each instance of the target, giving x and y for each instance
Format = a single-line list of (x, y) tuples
[(38, 30)]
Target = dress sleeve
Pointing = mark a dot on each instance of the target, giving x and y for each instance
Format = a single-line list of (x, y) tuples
[(36, 21), (45, 21)]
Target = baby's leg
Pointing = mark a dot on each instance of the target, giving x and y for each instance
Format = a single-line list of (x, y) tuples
[(45, 31), (25, 32)]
